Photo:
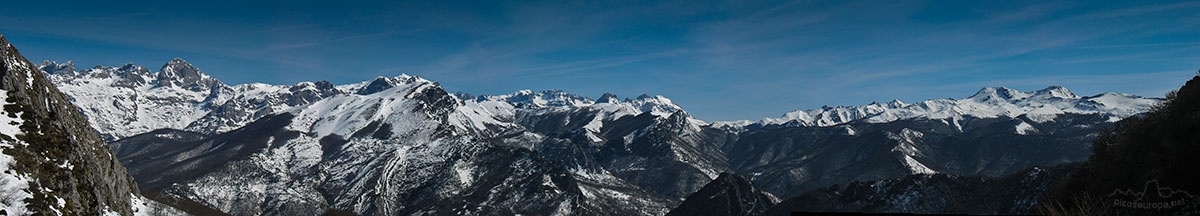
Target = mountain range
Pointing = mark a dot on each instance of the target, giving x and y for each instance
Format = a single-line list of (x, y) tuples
[(405, 145)]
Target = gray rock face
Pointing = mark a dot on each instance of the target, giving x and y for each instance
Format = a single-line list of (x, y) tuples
[(178, 72), (132, 76), (51, 67), (608, 98), (729, 194), (69, 168), (381, 83)]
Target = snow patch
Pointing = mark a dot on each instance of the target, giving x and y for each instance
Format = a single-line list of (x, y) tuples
[(10, 123), (464, 172), (1025, 128), (916, 167), (13, 186)]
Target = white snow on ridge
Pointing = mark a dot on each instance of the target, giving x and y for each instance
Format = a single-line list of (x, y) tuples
[(916, 166), (123, 101), (1025, 128), (559, 100), (1042, 105), (128, 100)]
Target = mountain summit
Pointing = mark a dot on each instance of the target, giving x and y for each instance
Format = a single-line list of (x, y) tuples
[(178, 72), (128, 100)]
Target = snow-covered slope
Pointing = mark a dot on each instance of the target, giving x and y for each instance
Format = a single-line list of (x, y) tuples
[(130, 99), (402, 145), (991, 102), (127, 100)]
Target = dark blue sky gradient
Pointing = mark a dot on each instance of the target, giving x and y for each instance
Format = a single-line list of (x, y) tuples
[(720, 60)]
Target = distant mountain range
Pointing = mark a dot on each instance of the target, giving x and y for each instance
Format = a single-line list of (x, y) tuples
[(404, 145)]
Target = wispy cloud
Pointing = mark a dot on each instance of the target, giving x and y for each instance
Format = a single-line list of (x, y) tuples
[(591, 64), (1140, 45)]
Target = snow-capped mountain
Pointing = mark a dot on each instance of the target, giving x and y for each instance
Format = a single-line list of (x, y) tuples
[(403, 145), (558, 99), (991, 102), (52, 162), (412, 148), (544, 99), (127, 100)]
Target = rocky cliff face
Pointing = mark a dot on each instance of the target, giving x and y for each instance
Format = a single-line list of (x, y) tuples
[(729, 194), (54, 163)]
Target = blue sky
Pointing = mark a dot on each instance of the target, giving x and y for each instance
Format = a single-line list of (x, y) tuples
[(720, 60)]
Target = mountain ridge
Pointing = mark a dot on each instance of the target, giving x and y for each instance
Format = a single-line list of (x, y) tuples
[(987, 102), (356, 152), (404, 145), (1045, 102)]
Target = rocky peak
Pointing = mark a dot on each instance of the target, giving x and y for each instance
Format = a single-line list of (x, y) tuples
[(132, 75), (323, 85), (657, 104), (435, 101), (319, 86), (608, 98), (549, 98), (129, 67), (51, 67), (998, 93), (178, 72), (1056, 92), (383, 83), (376, 85), (678, 120)]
